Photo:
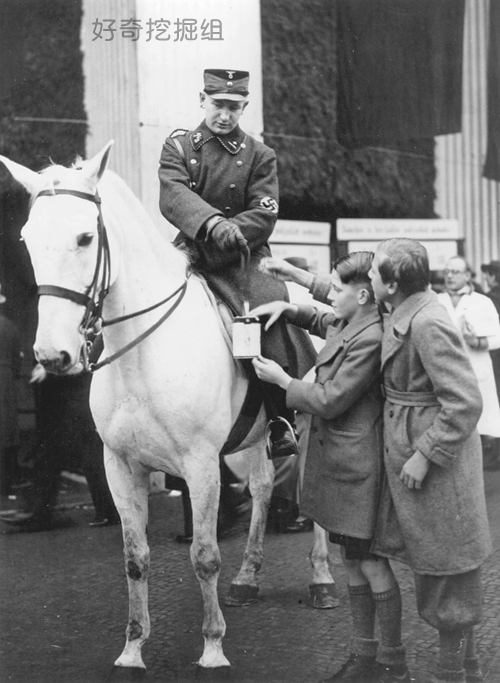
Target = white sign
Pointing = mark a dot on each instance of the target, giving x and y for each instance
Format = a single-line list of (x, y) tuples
[(301, 232), (385, 228), (439, 251), (318, 257)]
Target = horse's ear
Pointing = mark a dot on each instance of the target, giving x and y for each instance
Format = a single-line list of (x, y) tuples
[(95, 167), (23, 175)]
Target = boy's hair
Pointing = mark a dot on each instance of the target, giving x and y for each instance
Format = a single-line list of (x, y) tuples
[(353, 269), (407, 263)]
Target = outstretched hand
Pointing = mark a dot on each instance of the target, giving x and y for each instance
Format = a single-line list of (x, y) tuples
[(282, 270), (269, 371), (274, 310)]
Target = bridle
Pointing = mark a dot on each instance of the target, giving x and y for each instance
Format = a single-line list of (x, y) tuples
[(92, 299)]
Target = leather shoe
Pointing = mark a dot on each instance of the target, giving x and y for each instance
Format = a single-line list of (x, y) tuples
[(27, 521), (299, 525), (281, 439), (104, 521)]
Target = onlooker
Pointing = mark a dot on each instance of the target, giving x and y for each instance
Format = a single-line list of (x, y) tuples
[(10, 370), (344, 457), (476, 318), (492, 275), (433, 511), (64, 428)]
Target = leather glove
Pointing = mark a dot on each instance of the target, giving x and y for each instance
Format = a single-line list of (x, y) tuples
[(228, 237)]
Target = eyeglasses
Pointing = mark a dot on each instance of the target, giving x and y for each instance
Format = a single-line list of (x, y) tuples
[(447, 271)]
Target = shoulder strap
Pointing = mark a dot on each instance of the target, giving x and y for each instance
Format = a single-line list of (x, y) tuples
[(180, 149)]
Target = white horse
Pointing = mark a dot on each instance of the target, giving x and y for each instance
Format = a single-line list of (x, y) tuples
[(166, 391)]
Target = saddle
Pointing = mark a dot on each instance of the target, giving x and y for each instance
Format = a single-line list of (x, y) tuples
[(253, 400)]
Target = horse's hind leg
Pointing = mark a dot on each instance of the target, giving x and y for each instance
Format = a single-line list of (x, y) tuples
[(129, 483), (322, 590), (205, 556), (244, 588)]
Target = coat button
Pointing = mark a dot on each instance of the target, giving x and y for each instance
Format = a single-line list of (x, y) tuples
[(232, 186), (391, 413), (228, 208), (193, 161), (243, 146), (239, 163)]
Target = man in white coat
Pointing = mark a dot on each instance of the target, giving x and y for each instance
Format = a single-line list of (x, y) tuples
[(475, 316)]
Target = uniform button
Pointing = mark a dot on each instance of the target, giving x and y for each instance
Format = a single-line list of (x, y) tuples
[(232, 186), (243, 146), (228, 208), (391, 413), (193, 161), (238, 163)]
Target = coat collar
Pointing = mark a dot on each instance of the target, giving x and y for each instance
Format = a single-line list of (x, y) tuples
[(399, 322), (346, 332), (232, 143)]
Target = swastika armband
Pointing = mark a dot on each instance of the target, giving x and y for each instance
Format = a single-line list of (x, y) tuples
[(270, 204)]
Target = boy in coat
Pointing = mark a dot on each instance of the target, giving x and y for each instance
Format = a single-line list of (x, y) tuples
[(219, 187), (344, 457), (433, 512)]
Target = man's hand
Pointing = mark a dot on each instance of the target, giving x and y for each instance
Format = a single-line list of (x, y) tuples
[(282, 270), (269, 371), (414, 470), (274, 309), (228, 237)]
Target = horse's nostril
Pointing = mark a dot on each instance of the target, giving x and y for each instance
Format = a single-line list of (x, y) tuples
[(65, 359)]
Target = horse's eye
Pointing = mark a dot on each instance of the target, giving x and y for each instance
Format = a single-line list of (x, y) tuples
[(85, 239)]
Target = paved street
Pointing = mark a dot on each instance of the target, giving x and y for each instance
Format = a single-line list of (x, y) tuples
[(64, 605)]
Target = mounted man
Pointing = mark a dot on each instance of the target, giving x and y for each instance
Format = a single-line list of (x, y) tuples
[(219, 187)]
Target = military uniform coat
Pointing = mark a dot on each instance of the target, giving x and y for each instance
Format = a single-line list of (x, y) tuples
[(343, 464), (432, 404), (233, 176)]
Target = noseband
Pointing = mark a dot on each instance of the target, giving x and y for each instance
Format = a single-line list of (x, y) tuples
[(93, 297)]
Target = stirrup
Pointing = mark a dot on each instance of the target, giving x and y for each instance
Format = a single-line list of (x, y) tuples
[(289, 433)]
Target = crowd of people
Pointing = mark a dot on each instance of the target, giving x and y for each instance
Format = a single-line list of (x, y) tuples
[(404, 385)]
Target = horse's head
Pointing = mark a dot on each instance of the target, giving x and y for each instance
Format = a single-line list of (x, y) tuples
[(64, 238)]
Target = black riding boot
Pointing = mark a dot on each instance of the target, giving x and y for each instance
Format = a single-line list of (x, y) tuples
[(282, 437)]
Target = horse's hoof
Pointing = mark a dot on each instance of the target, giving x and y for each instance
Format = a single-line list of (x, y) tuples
[(240, 595), (323, 596), (214, 674), (124, 674)]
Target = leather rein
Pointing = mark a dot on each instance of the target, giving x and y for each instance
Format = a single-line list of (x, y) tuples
[(93, 297)]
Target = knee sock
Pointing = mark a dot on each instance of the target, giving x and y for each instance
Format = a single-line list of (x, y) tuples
[(471, 661), (389, 614), (452, 645), (363, 620)]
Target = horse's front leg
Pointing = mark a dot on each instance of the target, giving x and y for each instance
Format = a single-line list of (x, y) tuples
[(204, 489), (244, 589), (128, 483), (322, 590)]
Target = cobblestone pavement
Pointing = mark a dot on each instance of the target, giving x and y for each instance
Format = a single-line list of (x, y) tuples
[(64, 605)]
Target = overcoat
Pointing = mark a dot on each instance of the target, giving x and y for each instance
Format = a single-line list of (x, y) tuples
[(479, 312), (10, 370), (234, 176), (343, 464), (432, 404)]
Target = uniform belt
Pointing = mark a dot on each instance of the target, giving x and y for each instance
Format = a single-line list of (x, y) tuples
[(410, 398)]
